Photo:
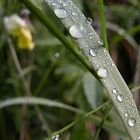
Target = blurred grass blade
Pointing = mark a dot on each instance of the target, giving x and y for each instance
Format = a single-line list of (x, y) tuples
[(122, 34), (50, 103), (78, 120), (92, 90), (102, 123)]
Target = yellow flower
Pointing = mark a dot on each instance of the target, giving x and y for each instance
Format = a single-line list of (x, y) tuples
[(17, 27)]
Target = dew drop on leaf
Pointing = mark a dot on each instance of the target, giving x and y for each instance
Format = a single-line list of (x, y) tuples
[(92, 52), (77, 31), (126, 114), (102, 72), (119, 98), (73, 13), (131, 122), (114, 91), (61, 13), (100, 43)]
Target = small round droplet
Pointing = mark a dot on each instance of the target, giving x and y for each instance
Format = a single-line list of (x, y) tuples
[(113, 64), (88, 20), (73, 13), (61, 13), (102, 72), (90, 37), (131, 122), (120, 98), (114, 91), (56, 137), (126, 114), (100, 42), (92, 52), (77, 31)]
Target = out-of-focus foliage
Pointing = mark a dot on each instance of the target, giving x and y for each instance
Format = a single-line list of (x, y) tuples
[(53, 72)]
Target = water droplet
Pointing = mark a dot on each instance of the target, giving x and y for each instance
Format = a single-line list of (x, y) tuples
[(131, 122), (90, 37), (65, 4), (113, 64), (133, 104), (100, 42), (126, 114), (92, 52), (53, 2), (77, 31), (102, 72), (138, 138), (73, 13), (55, 137), (114, 90), (61, 13), (120, 98), (88, 20)]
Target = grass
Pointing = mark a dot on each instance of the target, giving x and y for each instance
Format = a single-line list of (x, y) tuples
[(52, 73)]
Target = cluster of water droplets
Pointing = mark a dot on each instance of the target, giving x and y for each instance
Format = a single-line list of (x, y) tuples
[(80, 32), (130, 120)]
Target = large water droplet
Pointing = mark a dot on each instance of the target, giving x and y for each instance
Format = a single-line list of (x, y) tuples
[(131, 122), (114, 91), (61, 13), (138, 138), (119, 98), (77, 31), (102, 72), (92, 52), (55, 137)]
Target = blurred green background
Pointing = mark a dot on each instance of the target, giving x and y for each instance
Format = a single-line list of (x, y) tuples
[(52, 72)]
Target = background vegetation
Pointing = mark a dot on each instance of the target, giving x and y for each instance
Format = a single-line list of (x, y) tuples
[(52, 72)]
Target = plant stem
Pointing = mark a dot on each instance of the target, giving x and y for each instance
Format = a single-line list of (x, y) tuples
[(78, 120), (101, 124), (103, 25)]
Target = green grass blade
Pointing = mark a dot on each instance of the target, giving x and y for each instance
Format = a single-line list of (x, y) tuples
[(103, 25)]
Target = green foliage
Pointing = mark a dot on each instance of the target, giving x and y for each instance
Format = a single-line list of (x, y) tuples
[(51, 72)]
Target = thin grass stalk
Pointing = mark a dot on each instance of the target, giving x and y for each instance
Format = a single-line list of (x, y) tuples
[(98, 130), (103, 24)]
